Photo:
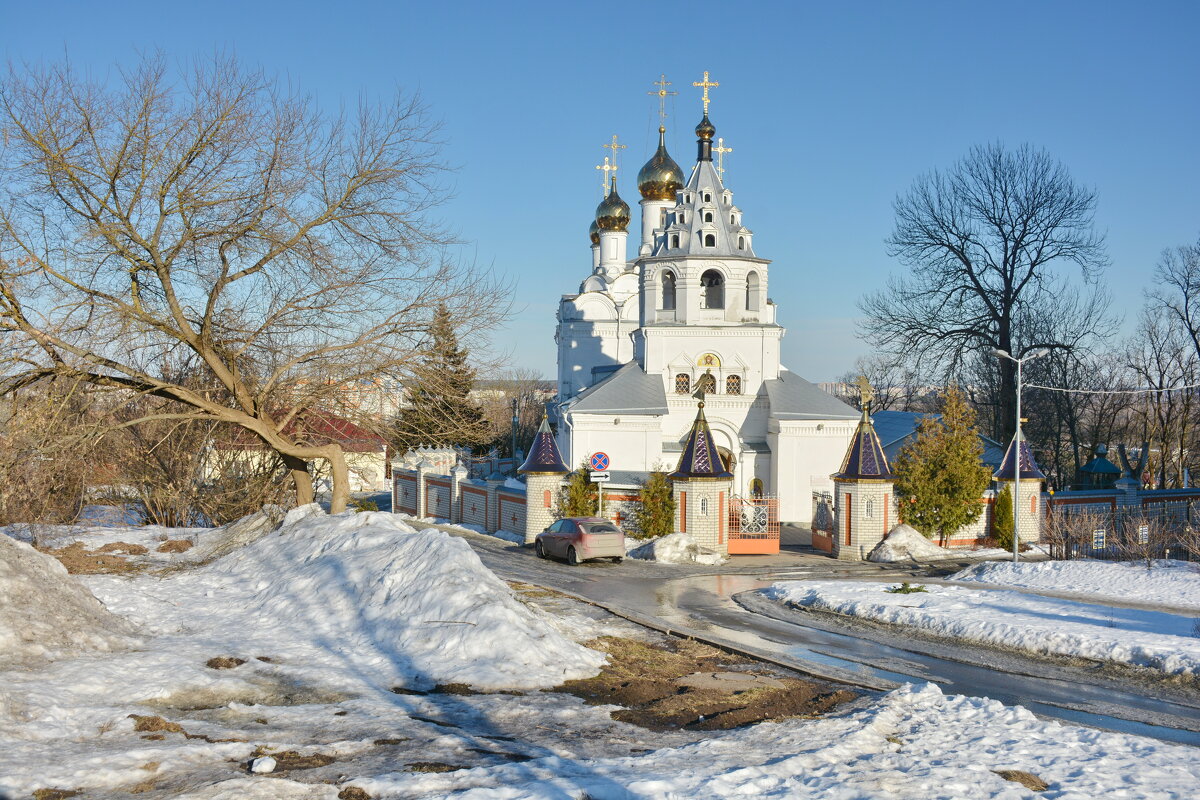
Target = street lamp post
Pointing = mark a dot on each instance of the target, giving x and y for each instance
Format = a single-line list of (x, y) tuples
[(515, 404), (1016, 494)]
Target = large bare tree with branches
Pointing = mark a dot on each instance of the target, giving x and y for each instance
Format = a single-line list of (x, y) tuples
[(209, 213), (982, 241)]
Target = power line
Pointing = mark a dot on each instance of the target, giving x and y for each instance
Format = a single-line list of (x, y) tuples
[(1141, 390)]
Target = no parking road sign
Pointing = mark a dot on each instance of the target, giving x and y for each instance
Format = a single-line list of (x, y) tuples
[(599, 461)]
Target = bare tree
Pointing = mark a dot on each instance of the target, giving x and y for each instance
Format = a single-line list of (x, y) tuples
[(220, 214), (1163, 359), (982, 241), (895, 380), (48, 453)]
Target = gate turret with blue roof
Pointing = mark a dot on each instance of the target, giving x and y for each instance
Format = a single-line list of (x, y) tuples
[(701, 484), (864, 504), (543, 470)]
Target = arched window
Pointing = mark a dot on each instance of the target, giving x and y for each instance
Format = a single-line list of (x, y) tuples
[(710, 240), (675, 240), (707, 197), (704, 506), (683, 383), (752, 292), (870, 510), (712, 289), (708, 382), (708, 217), (668, 291), (741, 243), (733, 384), (756, 488), (732, 219)]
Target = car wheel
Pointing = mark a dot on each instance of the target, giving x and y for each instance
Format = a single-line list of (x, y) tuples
[(618, 559), (572, 557), (539, 549)]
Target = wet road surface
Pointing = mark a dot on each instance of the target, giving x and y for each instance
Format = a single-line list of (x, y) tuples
[(725, 610)]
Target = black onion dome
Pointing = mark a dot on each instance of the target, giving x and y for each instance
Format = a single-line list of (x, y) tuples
[(613, 213), (700, 458), (543, 453), (661, 177), (594, 232)]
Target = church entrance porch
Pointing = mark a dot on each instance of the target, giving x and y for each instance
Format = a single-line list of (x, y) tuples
[(753, 526)]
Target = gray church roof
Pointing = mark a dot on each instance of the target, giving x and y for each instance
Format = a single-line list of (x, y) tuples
[(629, 390), (792, 397)]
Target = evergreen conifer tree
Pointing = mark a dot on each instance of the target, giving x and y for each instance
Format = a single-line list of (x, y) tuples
[(580, 496), (441, 411), (1002, 518), (655, 515), (940, 475)]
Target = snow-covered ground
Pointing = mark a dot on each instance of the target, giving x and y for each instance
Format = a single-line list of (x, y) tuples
[(913, 743), (1168, 583), (343, 624), (1040, 625)]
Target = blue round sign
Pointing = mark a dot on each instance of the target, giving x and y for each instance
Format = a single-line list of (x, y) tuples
[(599, 461)]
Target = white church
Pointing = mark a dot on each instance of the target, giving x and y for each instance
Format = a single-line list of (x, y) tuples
[(689, 311)]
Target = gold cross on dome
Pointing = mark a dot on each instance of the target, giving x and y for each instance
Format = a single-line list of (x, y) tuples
[(662, 83), (608, 169), (614, 147), (721, 150), (705, 84)]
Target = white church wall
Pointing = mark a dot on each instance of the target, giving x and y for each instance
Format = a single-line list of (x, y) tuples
[(800, 447), (631, 442)]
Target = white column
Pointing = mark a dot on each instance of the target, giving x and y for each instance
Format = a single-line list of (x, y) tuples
[(612, 251)]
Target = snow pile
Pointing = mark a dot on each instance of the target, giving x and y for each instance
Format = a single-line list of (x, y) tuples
[(675, 548), (906, 543), (236, 535), (1040, 625), (1170, 583), (913, 743), (44, 612), (370, 588)]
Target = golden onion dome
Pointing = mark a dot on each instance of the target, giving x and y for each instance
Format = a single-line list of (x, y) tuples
[(661, 177), (705, 129), (594, 232), (613, 213)]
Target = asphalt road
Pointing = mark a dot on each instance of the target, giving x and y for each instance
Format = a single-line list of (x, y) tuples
[(718, 604)]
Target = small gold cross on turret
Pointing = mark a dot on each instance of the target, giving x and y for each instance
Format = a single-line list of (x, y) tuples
[(705, 84), (608, 169), (662, 83), (614, 147), (866, 393), (721, 150)]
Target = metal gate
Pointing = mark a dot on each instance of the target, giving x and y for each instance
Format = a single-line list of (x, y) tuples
[(753, 525)]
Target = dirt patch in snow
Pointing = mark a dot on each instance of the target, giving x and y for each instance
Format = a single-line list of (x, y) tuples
[(80, 561), (649, 679), (224, 662), (175, 546), (1026, 779), (127, 548), (290, 759)]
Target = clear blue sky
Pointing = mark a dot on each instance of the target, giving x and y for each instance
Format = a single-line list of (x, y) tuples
[(831, 108)]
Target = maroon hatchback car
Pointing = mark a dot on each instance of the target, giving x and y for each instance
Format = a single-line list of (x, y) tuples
[(580, 538)]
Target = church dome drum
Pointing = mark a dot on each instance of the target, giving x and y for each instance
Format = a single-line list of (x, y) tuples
[(613, 213), (661, 177)]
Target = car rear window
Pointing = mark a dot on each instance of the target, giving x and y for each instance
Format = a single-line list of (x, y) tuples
[(599, 527)]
